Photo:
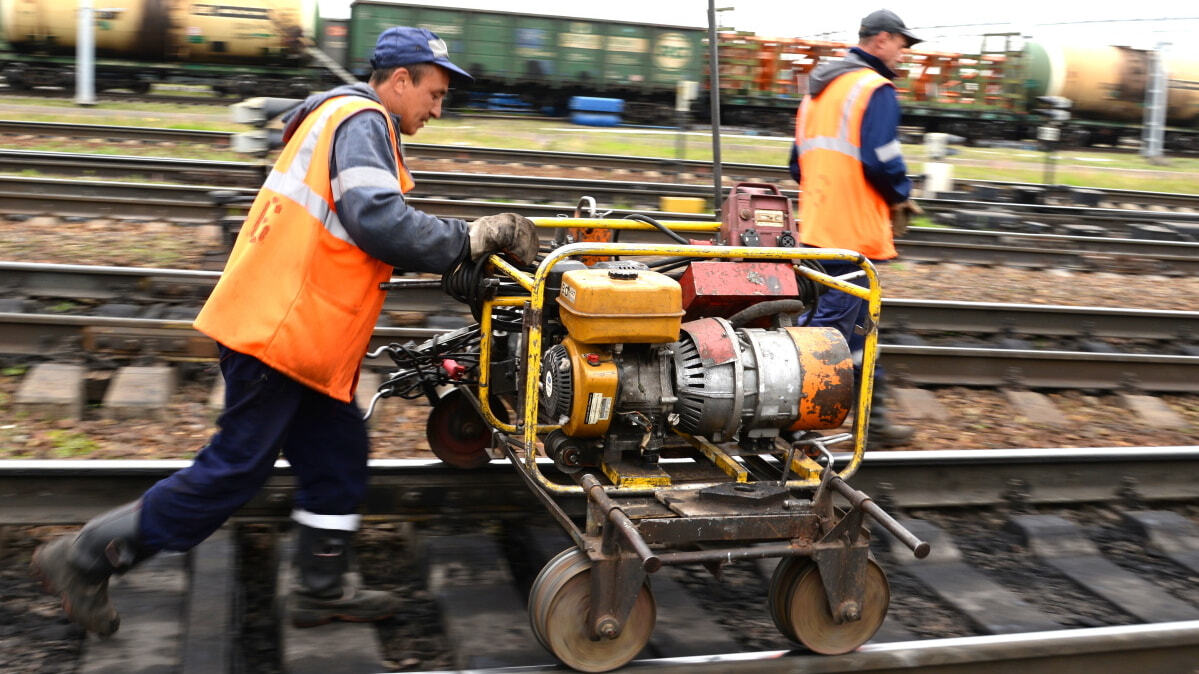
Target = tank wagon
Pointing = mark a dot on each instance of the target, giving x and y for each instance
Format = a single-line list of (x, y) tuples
[(1108, 84), (237, 46), (547, 59)]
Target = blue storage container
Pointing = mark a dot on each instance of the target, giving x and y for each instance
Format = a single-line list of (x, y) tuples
[(595, 118), (596, 104)]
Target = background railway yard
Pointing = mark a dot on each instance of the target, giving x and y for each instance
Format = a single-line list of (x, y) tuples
[(1051, 333)]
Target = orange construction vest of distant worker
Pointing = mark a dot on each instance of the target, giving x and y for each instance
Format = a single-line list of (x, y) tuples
[(838, 208), (295, 293)]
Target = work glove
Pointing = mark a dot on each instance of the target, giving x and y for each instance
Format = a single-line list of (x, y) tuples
[(901, 213), (507, 233)]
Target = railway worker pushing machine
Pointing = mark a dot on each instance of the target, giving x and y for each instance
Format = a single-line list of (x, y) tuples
[(853, 179), (292, 314)]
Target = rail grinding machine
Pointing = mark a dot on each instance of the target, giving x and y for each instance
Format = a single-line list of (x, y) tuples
[(676, 388)]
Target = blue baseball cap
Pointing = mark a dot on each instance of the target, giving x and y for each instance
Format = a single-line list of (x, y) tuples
[(405, 45)]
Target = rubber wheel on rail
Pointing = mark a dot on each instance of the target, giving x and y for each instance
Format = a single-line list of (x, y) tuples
[(458, 434), (559, 602), (804, 614)]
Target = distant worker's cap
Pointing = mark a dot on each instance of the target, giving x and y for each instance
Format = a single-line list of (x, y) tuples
[(884, 20), (405, 45)]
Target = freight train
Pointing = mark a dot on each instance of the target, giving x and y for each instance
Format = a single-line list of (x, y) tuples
[(265, 47), (991, 94)]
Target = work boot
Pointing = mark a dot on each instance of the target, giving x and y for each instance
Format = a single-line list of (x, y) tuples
[(77, 567), (327, 589), (885, 433)]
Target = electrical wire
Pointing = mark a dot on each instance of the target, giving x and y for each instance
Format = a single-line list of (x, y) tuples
[(639, 217)]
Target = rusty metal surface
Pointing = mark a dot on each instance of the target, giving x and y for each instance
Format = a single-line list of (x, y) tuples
[(722, 288)]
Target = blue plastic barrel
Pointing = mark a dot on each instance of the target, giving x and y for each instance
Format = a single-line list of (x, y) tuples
[(595, 118), (595, 104)]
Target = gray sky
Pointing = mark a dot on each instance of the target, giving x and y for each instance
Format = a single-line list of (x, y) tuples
[(945, 25)]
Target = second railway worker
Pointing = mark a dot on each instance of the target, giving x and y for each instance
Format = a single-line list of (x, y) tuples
[(292, 314), (853, 179)]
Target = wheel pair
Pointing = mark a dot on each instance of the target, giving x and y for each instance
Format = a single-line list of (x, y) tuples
[(798, 604), (559, 603)]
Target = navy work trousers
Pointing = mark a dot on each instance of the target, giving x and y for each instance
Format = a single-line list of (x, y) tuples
[(266, 412), (844, 312)]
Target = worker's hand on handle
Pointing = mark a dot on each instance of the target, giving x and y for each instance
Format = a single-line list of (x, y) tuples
[(507, 233), (901, 213)]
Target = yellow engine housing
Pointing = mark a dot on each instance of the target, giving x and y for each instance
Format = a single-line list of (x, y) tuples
[(595, 383), (612, 306)]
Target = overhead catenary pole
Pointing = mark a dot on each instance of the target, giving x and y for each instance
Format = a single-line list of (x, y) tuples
[(714, 82), (85, 51)]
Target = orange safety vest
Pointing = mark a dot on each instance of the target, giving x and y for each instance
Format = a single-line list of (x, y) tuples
[(295, 293), (838, 207)]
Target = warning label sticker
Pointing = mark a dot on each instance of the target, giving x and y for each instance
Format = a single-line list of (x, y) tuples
[(599, 408)]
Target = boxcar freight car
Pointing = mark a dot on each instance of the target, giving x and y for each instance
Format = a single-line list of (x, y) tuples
[(547, 59)]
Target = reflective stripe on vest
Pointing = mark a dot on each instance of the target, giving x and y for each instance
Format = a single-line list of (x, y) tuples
[(838, 206), (296, 292)]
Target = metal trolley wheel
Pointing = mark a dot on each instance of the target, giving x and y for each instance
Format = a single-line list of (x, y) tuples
[(799, 606), (457, 433), (559, 603)]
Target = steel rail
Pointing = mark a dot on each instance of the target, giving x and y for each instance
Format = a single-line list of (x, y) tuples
[(1156, 647), (100, 282), (566, 190), (767, 172), (33, 489), (69, 492), (467, 185), (196, 205), (143, 133), (917, 240), (36, 334), (996, 368)]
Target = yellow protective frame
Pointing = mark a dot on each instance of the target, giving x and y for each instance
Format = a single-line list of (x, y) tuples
[(535, 302)]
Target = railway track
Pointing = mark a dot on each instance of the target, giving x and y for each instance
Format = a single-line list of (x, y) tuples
[(198, 205), (984, 206), (25, 283), (1003, 191), (138, 312), (996, 593)]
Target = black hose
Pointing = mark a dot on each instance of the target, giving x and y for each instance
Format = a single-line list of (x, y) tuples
[(764, 309), (665, 230), (463, 282)]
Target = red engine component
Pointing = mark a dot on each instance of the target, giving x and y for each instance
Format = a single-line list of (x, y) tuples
[(757, 214), (720, 288)]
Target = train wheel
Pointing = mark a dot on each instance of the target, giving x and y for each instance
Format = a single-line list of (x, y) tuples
[(559, 602), (785, 575), (551, 570), (457, 433), (805, 614)]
